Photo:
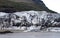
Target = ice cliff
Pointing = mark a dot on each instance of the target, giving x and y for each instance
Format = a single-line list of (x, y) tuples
[(30, 19)]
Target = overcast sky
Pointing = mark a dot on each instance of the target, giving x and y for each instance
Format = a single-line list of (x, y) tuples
[(53, 5)]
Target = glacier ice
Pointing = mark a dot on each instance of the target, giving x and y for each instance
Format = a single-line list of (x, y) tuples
[(31, 19)]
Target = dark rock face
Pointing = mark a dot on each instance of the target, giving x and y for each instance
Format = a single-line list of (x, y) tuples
[(23, 5), (28, 1), (8, 10), (5, 32)]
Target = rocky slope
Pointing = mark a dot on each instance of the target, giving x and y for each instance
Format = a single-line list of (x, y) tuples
[(22, 5)]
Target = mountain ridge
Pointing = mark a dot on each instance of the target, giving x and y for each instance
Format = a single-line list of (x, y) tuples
[(12, 6)]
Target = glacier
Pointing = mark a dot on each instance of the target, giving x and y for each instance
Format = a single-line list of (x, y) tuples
[(29, 20)]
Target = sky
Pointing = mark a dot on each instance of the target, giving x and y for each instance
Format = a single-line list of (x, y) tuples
[(53, 5)]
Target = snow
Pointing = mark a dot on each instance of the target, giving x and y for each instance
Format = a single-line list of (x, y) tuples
[(2, 13)]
